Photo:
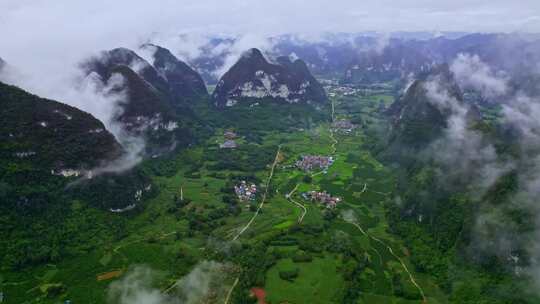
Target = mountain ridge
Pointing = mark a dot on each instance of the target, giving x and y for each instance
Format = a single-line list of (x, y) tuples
[(253, 77)]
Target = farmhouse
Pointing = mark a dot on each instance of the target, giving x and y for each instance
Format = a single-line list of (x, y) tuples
[(229, 135), (229, 144)]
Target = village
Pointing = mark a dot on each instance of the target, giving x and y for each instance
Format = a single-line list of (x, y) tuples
[(334, 91), (344, 126), (324, 198), (310, 163), (245, 191)]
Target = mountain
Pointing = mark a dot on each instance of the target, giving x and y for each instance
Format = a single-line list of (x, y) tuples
[(417, 119), (45, 149), (122, 56), (52, 135), (147, 110), (45, 143), (395, 61), (252, 77), (185, 84), (2, 64)]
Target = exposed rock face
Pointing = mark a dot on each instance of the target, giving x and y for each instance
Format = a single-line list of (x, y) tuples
[(145, 108), (146, 111), (51, 134), (253, 77), (185, 84)]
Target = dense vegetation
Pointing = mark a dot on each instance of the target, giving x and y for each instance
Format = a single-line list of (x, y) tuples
[(367, 250)]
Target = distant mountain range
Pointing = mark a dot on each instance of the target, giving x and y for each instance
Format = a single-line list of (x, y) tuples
[(354, 57)]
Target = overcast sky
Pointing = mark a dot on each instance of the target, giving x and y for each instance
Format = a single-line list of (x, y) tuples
[(27, 24), (43, 37), (55, 18), (46, 27)]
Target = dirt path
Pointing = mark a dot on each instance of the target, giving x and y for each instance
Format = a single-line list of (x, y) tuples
[(334, 140), (230, 291), (264, 195), (411, 277), (318, 173), (289, 197), (364, 189)]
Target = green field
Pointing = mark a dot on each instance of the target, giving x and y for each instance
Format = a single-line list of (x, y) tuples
[(318, 281)]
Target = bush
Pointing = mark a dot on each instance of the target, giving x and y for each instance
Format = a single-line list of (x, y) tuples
[(302, 257), (289, 275)]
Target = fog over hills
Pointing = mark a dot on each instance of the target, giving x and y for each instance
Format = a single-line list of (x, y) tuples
[(256, 151)]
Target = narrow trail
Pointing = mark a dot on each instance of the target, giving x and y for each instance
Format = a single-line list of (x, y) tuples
[(318, 173), (334, 140), (230, 291), (364, 189), (289, 197), (411, 277), (264, 195)]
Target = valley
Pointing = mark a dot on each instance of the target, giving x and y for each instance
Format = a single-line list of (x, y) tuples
[(269, 152), (403, 180), (342, 253)]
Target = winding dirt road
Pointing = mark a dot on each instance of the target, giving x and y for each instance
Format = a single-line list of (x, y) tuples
[(411, 277), (264, 195), (289, 197)]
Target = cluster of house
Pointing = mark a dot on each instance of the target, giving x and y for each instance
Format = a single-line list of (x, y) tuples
[(245, 191), (313, 162), (25, 154), (230, 142), (322, 197), (344, 126), (334, 91)]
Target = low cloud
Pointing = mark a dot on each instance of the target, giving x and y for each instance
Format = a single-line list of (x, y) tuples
[(136, 287), (239, 46), (204, 284), (472, 159), (90, 94), (471, 72)]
